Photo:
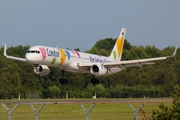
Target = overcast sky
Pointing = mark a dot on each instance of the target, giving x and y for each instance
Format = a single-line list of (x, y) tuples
[(81, 23)]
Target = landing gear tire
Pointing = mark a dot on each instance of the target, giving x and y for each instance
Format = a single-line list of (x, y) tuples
[(38, 74), (94, 81), (63, 81)]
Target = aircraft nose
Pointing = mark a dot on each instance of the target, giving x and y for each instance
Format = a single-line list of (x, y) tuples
[(28, 57), (33, 57)]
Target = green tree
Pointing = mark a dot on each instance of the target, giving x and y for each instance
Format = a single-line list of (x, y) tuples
[(101, 91), (18, 76), (77, 49), (54, 91), (166, 113)]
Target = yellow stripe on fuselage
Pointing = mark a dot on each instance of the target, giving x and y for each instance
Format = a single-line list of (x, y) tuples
[(62, 56), (119, 45)]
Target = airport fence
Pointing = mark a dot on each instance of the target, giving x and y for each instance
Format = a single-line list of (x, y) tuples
[(37, 110)]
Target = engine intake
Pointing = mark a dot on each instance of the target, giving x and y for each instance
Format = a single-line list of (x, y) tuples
[(41, 70), (98, 70)]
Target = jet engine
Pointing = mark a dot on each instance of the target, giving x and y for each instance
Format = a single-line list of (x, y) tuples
[(41, 70), (98, 70)]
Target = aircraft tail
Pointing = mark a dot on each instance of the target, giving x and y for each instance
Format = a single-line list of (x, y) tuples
[(118, 47)]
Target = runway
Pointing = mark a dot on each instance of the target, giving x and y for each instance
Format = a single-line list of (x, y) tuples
[(87, 101)]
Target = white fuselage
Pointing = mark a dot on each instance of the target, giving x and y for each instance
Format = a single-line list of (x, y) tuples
[(67, 60)]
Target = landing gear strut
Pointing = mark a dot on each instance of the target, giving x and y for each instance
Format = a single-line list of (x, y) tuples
[(94, 80), (63, 80)]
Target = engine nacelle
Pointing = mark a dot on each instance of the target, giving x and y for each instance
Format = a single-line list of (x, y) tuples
[(98, 70), (41, 70)]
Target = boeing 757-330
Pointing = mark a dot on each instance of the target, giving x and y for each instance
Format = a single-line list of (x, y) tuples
[(43, 57)]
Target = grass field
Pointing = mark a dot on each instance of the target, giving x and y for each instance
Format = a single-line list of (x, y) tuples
[(73, 111)]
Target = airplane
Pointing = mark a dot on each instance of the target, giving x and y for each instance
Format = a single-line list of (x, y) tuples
[(43, 57)]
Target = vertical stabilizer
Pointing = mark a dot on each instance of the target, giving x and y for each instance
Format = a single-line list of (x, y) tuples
[(118, 47)]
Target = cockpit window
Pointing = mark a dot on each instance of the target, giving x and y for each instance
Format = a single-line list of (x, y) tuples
[(33, 51)]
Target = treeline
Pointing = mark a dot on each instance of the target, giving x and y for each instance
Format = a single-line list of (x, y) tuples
[(147, 81)]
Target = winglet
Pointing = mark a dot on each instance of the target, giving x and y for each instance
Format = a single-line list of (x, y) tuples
[(5, 50), (174, 52), (13, 58)]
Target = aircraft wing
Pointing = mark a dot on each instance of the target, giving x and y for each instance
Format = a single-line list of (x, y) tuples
[(130, 63), (13, 58)]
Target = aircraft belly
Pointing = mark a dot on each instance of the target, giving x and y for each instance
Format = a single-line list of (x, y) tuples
[(73, 67), (78, 71)]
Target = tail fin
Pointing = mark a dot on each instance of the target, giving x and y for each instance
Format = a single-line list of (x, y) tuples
[(118, 47)]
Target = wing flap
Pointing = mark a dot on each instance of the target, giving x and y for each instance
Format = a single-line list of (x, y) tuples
[(133, 64)]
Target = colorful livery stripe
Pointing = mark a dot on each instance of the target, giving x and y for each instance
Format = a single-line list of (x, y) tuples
[(63, 56), (119, 45)]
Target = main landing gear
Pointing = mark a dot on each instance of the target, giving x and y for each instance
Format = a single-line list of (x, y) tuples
[(63, 80), (94, 80)]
